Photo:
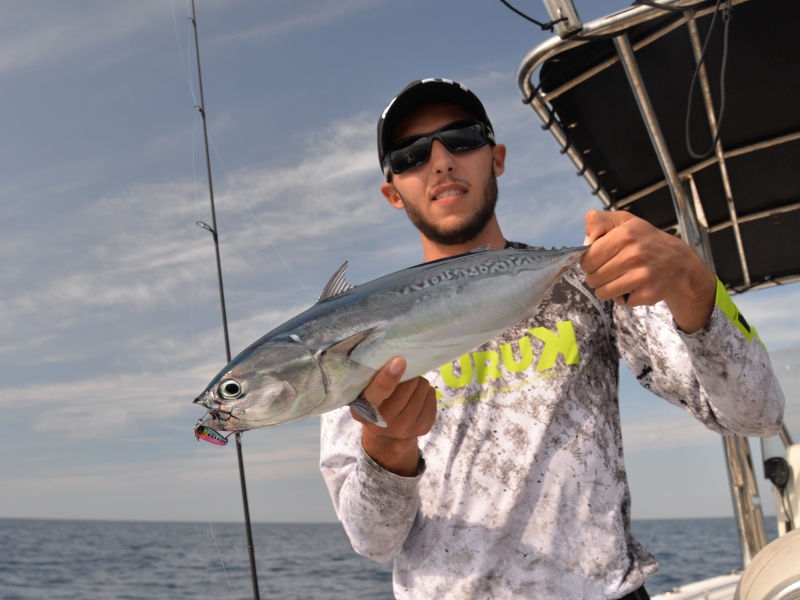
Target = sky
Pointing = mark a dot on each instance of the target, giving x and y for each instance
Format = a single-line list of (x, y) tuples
[(111, 317)]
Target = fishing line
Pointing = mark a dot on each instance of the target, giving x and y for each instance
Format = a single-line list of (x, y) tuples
[(210, 526), (185, 60), (255, 219), (196, 233)]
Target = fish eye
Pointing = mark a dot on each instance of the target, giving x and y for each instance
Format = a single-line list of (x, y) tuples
[(230, 389)]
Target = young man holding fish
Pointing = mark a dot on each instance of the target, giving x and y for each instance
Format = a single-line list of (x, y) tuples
[(500, 475)]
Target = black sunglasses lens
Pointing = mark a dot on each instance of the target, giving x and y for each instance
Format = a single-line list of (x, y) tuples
[(410, 153), (415, 151), (463, 138)]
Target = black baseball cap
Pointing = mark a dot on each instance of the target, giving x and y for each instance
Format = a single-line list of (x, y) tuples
[(425, 91)]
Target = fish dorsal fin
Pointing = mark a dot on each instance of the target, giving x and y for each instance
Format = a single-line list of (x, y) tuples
[(346, 346), (480, 249), (337, 284)]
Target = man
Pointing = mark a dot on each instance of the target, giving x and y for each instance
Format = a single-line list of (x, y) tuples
[(501, 475)]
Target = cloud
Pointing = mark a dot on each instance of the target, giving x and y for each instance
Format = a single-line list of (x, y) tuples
[(769, 310), (137, 261), (323, 14), (105, 406), (198, 482), (133, 250), (48, 34), (665, 432)]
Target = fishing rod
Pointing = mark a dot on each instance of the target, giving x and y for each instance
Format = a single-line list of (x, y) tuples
[(213, 229)]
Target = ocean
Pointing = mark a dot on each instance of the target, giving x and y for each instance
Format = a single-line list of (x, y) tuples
[(116, 560)]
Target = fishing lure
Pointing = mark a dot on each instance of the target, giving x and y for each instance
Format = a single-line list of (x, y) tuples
[(210, 435)]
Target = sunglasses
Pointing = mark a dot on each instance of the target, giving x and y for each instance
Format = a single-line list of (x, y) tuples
[(461, 136)]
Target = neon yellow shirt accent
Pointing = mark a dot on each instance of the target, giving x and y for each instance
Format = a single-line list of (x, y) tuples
[(555, 344), (726, 305)]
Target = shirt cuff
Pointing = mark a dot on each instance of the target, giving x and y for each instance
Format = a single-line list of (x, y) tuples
[(375, 470)]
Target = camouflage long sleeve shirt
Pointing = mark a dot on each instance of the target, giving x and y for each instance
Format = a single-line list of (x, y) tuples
[(521, 490)]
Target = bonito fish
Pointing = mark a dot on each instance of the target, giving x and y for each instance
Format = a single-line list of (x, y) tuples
[(429, 314)]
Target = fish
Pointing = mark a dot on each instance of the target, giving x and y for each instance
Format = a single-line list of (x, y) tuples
[(429, 314)]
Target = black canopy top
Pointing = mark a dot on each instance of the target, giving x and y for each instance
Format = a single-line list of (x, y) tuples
[(746, 194)]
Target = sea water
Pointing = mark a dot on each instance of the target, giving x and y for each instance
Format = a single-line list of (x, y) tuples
[(105, 560)]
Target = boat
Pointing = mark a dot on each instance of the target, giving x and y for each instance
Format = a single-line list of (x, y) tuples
[(687, 114)]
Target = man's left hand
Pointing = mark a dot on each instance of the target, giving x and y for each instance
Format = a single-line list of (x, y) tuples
[(637, 264)]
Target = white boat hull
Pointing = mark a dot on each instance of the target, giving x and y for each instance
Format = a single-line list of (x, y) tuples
[(722, 587)]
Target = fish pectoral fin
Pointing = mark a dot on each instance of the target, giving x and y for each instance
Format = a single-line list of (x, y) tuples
[(346, 346), (366, 410), (337, 284)]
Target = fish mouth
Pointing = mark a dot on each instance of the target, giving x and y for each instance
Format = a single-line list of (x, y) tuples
[(210, 421), (217, 420), (204, 400)]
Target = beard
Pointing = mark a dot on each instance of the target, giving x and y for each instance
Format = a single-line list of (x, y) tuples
[(464, 232)]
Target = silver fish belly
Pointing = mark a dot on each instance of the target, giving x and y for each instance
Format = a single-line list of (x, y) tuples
[(429, 314)]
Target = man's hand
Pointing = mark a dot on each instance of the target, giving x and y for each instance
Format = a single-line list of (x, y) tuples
[(409, 409), (637, 264)]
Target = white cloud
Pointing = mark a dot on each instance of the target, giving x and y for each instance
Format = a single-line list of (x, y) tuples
[(50, 33), (773, 312), (665, 432), (105, 406), (138, 253), (323, 14)]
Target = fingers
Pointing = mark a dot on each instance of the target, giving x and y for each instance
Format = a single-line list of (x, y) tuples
[(611, 262), (626, 276), (635, 264), (409, 408), (632, 261), (615, 265), (598, 223), (385, 381)]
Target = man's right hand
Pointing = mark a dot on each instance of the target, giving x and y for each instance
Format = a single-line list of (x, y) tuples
[(409, 409)]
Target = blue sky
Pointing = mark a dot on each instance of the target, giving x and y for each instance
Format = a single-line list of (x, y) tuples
[(109, 292)]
